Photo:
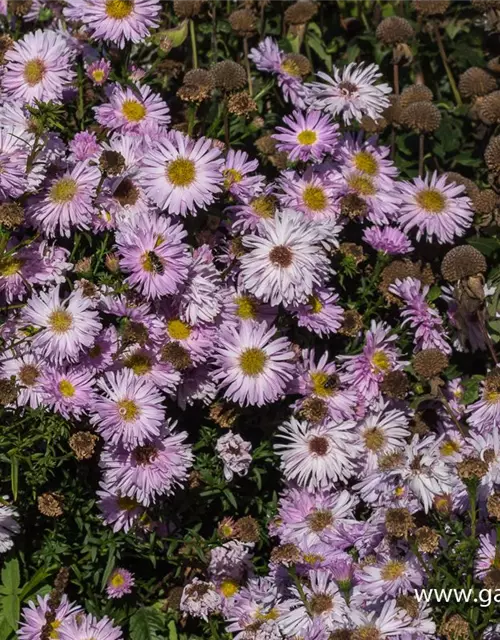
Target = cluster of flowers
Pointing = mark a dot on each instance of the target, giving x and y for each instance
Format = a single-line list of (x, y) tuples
[(190, 324)]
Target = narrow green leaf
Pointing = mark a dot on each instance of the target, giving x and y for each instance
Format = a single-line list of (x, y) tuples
[(14, 476), (109, 567), (11, 606), (10, 576)]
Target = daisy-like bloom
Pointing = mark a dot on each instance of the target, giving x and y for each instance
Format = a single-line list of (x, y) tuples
[(38, 67), (320, 314), (149, 470), (366, 370), (242, 307), (182, 175), (352, 92), (422, 318), (13, 157), (185, 341), (324, 601), (131, 410), (157, 262), (33, 617), (314, 194), (202, 296), (119, 512), (369, 159), (252, 366), (68, 391), (65, 326), (486, 557), (84, 146), (9, 526), (255, 606), (67, 202), (136, 110), (120, 583), (307, 136), (200, 599), (27, 369), (390, 621), (383, 431), (390, 577), (145, 363), (434, 208), (388, 240), (86, 627), (118, 21), (235, 454), (249, 213), (286, 261), (365, 196), (100, 356), (484, 414), (237, 179), (98, 71), (317, 456)]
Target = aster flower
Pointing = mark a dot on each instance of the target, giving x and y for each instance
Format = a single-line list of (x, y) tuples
[(390, 621), (486, 556), (131, 410), (195, 342), (237, 179), (38, 67), (118, 21), (68, 391), (383, 430), (182, 175), (351, 92), (231, 560), (249, 212), (13, 157), (254, 367), (484, 414), (242, 307), (33, 617), (320, 314), (120, 583), (119, 512), (67, 202), (235, 454), (314, 194), (285, 262), (200, 599), (133, 110), (202, 299), (98, 71), (362, 195), (434, 208), (145, 363), (27, 369), (84, 146), (389, 577), (101, 354), (368, 158), (256, 605), (83, 627), (388, 240), (316, 456), (65, 326), (307, 136), (9, 526)]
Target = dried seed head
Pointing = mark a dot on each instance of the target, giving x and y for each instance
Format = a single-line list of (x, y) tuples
[(409, 604), (392, 113), (373, 126), (229, 76), (11, 215), (314, 410), (455, 628), (462, 262), (266, 145), (84, 265), (223, 415), (431, 7), (414, 93), (300, 12), (492, 155), (112, 162), (286, 554), (395, 384), (492, 578), (427, 539), (241, 104), (247, 529), (8, 391), (485, 5), (471, 468), (177, 355), (6, 43), (399, 522), (299, 63), (83, 444), (394, 30), (485, 202), (422, 117), (19, 7), (243, 22), (429, 363), (476, 82), (352, 250), (352, 323), (452, 177), (197, 86), (494, 64), (112, 262), (50, 504), (493, 505), (489, 108), (401, 269), (187, 8), (174, 598), (353, 206)]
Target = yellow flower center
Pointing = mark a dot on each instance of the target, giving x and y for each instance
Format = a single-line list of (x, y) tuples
[(307, 137), (291, 67), (270, 615), (33, 72), (399, 491), (229, 588), (127, 504), (98, 75), (246, 308), (319, 380), (380, 361), (492, 397), (312, 558), (117, 580), (133, 110), (119, 9), (431, 200), (366, 163), (54, 627), (314, 198), (315, 304), (449, 447), (181, 172), (152, 263), (264, 206), (393, 570), (362, 185), (178, 330), (128, 410), (140, 363), (10, 265), (231, 177), (374, 439), (368, 632), (60, 321), (66, 389), (64, 190), (253, 361)]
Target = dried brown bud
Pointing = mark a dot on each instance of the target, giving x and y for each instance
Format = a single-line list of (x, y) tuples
[(8, 391), (11, 215), (353, 206), (431, 7), (414, 93), (476, 82), (373, 126), (112, 162), (395, 384), (177, 355), (471, 468), (352, 323), (247, 529), (422, 117), (112, 262), (493, 505), (455, 628), (429, 363), (492, 155), (286, 554), (50, 504), (488, 109), (394, 30), (197, 86), (241, 104), (314, 410), (229, 76), (266, 145), (461, 262), (399, 522), (409, 604), (300, 12), (295, 64), (83, 444), (187, 8), (427, 539), (243, 22)]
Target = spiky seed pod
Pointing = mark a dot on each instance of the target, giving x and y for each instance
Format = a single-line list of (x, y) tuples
[(476, 82), (6, 43), (431, 7), (197, 85), (395, 384), (427, 539), (247, 529), (229, 75), (19, 7), (187, 8), (471, 468), (241, 104), (177, 355), (461, 262), (395, 30), (352, 206), (470, 187), (83, 444), (422, 117), (414, 93), (455, 628), (300, 12), (50, 504), (429, 363), (373, 126), (314, 410), (296, 64), (352, 323), (399, 522), (485, 202), (112, 162), (266, 145), (492, 155), (489, 108), (11, 215), (243, 22)]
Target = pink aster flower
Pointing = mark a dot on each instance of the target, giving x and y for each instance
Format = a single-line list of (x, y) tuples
[(368, 158), (307, 136), (68, 391), (68, 201), (235, 454), (98, 71), (434, 208), (252, 366), (484, 414), (320, 314), (84, 146), (390, 577), (181, 175), (38, 67), (84, 627), (118, 21), (145, 363), (314, 194), (120, 583), (119, 512), (388, 240), (13, 157), (381, 202), (247, 214), (27, 369), (65, 326), (133, 110), (33, 617), (101, 354), (237, 179), (486, 554), (200, 599), (202, 299), (131, 410)]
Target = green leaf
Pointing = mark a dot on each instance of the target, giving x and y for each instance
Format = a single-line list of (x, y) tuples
[(14, 475), (5, 629), (145, 624), (487, 246), (177, 35), (10, 576), (33, 585), (109, 567), (172, 631), (11, 609)]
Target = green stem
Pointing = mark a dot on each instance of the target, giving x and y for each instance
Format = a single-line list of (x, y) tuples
[(421, 141), (191, 118), (247, 66), (293, 573), (193, 44), (449, 411), (472, 490), (444, 58)]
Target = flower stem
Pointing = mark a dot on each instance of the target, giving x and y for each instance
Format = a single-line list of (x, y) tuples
[(450, 412), (227, 137), (293, 572), (444, 58), (193, 43), (421, 140), (486, 335), (247, 66)]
